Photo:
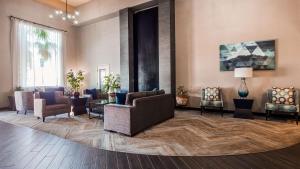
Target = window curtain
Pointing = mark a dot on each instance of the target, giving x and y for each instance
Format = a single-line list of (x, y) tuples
[(37, 55)]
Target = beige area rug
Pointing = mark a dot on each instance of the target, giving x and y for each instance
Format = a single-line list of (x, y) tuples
[(188, 134)]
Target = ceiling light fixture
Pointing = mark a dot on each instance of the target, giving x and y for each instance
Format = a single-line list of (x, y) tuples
[(66, 15)]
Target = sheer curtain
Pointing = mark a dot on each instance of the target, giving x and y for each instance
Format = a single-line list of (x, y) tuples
[(37, 54)]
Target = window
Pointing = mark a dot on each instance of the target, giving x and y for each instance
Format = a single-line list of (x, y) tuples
[(37, 55)]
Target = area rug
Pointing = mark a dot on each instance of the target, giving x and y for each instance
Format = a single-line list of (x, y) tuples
[(188, 134)]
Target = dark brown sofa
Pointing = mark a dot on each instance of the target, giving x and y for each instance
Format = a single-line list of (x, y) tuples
[(142, 110)]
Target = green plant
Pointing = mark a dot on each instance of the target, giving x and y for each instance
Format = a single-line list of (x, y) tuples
[(181, 92), (44, 45), (111, 82), (75, 80), (18, 88)]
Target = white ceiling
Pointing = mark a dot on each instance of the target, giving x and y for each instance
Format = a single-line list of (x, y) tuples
[(76, 3)]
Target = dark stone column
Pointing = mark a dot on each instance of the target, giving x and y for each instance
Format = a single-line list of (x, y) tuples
[(127, 52), (166, 21)]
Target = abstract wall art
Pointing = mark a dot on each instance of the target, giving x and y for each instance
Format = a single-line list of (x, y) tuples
[(257, 54)]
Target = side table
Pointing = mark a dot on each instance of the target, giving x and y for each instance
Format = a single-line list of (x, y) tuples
[(79, 105), (243, 108)]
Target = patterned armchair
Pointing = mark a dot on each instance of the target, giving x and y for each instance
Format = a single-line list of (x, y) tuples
[(212, 98), (282, 100)]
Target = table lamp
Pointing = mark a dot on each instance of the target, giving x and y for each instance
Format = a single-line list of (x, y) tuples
[(243, 73)]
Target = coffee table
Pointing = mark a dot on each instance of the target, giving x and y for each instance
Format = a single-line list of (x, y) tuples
[(97, 107)]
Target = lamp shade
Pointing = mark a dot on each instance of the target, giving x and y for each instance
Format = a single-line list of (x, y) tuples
[(243, 72)]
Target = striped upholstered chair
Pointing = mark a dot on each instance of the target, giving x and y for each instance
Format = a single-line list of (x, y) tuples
[(212, 98), (283, 100)]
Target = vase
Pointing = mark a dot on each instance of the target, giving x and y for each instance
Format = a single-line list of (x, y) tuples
[(76, 95), (181, 101), (243, 90), (111, 96)]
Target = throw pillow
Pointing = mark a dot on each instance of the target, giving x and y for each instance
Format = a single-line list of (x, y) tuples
[(283, 95), (212, 94), (92, 92), (49, 97), (121, 98)]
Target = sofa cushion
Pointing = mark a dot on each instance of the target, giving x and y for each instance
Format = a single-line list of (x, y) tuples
[(120, 98), (55, 107), (212, 94), (271, 106), (49, 97), (92, 92), (207, 103), (287, 108), (283, 95)]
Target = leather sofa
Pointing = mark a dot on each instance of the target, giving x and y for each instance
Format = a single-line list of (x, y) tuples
[(141, 111)]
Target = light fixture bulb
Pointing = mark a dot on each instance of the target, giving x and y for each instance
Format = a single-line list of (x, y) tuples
[(75, 22), (60, 12), (69, 16), (56, 12), (77, 13), (51, 16), (73, 16), (63, 18)]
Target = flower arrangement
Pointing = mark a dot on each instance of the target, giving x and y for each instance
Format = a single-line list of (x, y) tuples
[(111, 83)]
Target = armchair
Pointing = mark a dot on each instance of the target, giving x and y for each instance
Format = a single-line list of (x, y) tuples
[(42, 110), (212, 98), (24, 101), (290, 104)]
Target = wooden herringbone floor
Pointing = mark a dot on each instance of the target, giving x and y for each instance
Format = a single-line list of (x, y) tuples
[(187, 134)]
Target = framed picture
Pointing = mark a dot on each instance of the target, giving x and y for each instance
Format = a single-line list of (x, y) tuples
[(257, 54), (102, 70)]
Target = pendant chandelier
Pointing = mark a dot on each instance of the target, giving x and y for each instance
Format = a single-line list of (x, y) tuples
[(66, 15)]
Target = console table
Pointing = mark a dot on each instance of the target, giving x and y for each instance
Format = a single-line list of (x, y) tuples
[(243, 108)]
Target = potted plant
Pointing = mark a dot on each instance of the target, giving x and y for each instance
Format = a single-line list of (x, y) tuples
[(110, 85), (75, 80), (182, 97)]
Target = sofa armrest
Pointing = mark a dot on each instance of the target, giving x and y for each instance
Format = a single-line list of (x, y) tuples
[(118, 118), (39, 107)]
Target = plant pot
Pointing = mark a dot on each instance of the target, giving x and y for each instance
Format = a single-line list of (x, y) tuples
[(112, 97), (182, 101), (76, 94)]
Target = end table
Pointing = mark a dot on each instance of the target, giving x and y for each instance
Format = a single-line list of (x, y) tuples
[(79, 105), (243, 108)]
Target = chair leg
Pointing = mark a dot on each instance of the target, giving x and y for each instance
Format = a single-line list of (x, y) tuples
[(25, 112), (38, 118), (222, 112), (297, 118), (267, 114), (43, 119), (69, 115), (201, 110), (17, 111)]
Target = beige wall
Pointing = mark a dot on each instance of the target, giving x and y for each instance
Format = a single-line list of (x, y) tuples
[(98, 44), (98, 8), (202, 25), (30, 10)]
